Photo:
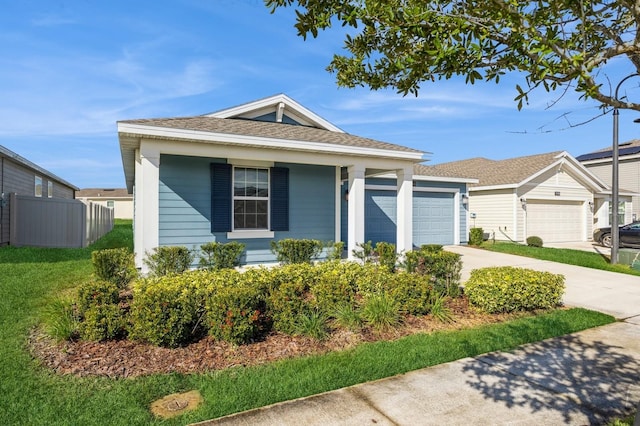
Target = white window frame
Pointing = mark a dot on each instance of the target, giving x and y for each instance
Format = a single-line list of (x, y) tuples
[(257, 232), (37, 185), (49, 189), (111, 204)]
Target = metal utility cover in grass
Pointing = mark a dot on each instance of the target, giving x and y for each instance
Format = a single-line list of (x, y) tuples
[(176, 404)]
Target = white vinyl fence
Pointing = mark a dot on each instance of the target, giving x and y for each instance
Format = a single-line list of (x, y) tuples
[(56, 222)]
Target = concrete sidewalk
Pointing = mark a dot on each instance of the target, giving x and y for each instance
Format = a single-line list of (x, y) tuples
[(583, 378)]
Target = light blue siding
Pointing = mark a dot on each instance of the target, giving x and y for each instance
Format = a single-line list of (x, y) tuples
[(185, 206), (185, 201), (380, 216)]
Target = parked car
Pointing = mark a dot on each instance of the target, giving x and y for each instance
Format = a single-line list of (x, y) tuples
[(629, 235)]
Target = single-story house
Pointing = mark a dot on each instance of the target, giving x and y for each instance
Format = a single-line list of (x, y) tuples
[(23, 177), (552, 196), (272, 169), (119, 199), (600, 164)]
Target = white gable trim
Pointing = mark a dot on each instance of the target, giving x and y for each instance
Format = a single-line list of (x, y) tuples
[(564, 158), (279, 104)]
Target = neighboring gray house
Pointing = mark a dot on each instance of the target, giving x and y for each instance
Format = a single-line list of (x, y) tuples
[(552, 196), (118, 199), (599, 163), (272, 169), (21, 176)]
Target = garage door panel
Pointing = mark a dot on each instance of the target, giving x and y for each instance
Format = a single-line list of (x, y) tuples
[(555, 221), (433, 218)]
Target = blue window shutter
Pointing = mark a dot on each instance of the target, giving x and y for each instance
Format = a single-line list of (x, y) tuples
[(220, 197), (279, 199)]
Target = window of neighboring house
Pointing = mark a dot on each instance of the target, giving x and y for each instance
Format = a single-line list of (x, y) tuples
[(110, 203), (49, 189), (250, 198), (38, 186), (621, 208)]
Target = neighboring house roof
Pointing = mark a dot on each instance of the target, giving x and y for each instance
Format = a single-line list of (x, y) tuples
[(627, 148), (513, 172), (435, 173), (33, 166), (246, 125), (103, 193)]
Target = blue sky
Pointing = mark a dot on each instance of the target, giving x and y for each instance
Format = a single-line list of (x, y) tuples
[(69, 70)]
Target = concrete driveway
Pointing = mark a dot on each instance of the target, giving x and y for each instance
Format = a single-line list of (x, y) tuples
[(584, 378), (608, 292)]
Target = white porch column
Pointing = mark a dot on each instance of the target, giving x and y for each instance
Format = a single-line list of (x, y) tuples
[(146, 220), (355, 222), (404, 206), (338, 198)]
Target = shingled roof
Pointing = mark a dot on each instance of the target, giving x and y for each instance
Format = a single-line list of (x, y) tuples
[(495, 172), (270, 130), (103, 193), (627, 148)]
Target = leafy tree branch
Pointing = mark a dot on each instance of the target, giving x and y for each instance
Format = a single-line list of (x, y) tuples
[(403, 43)]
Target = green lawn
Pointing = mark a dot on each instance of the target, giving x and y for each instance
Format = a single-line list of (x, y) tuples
[(568, 256), (30, 278)]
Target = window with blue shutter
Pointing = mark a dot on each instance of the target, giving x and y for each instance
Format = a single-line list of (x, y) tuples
[(249, 198), (279, 199), (220, 197)]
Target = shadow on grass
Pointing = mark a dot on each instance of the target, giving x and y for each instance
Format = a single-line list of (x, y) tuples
[(578, 378)]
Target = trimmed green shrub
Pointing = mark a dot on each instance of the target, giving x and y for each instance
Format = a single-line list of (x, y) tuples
[(291, 250), (286, 303), (167, 311), (235, 313), (96, 293), (103, 322), (372, 279), (507, 289), (412, 292), (335, 250), (167, 260), (334, 285), (215, 255), (534, 241), (114, 265), (445, 267), (365, 252), (387, 255), (299, 272), (476, 236), (431, 248)]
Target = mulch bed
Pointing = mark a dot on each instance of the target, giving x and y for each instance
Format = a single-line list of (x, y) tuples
[(124, 358)]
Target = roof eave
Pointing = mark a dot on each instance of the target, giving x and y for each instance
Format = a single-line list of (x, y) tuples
[(265, 142)]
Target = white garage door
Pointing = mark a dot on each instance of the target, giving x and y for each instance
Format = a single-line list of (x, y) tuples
[(555, 221)]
